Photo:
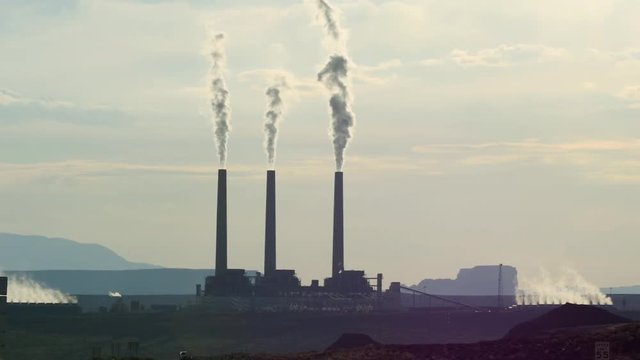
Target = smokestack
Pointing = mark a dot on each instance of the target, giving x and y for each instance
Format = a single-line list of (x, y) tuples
[(221, 224), (270, 226), (338, 226)]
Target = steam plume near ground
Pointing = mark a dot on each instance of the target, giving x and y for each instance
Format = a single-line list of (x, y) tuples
[(219, 97), (24, 290), (335, 76), (273, 116), (566, 287)]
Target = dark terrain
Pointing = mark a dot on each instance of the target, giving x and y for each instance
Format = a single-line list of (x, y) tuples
[(161, 336), (577, 344), (443, 334), (569, 332)]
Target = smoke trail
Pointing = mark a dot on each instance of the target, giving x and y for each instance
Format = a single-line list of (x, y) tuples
[(568, 287), (335, 76), (24, 290), (330, 22), (275, 111), (219, 97)]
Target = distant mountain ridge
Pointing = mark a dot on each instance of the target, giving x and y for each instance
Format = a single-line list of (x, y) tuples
[(478, 280), (31, 252)]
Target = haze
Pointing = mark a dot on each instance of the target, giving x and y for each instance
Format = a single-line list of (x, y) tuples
[(488, 132)]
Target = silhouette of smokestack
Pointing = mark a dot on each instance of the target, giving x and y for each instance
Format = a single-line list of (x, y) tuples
[(338, 226), (270, 226), (221, 224)]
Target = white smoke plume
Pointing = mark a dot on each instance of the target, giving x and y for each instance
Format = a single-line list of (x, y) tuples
[(21, 289), (335, 76), (273, 116), (566, 287), (219, 97), (115, 294)]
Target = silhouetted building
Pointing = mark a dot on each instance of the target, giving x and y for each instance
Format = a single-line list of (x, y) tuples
[(338, 226), (221, 223), (226, 281), (235, 282), (270, 226)]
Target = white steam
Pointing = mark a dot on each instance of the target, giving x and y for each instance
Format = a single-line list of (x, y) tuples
[(566, 287), (273, 116), (219, 97), (21, 289), (335, 76)]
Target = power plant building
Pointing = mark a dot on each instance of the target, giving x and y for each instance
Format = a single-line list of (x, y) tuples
[(280, 282)]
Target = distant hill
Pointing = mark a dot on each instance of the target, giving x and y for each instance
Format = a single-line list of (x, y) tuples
[(27, 252), (478, 280)]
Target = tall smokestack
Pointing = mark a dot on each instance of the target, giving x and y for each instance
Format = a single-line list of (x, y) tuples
[(270, 226), (338, 226), (221, 224)]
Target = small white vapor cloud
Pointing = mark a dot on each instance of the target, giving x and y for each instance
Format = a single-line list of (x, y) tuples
[(432, 62), (297, 86), (376, 74), (8, 97), (630, 93), (507, 55), (563, 287), (22, 289)]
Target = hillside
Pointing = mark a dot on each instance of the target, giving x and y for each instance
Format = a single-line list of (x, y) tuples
[(478, 280), (28, 252)]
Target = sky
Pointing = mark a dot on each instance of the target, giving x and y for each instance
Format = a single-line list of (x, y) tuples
[(486, 132)]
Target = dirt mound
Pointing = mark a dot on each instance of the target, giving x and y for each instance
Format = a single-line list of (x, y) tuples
[(349, 341), (566, 316), (624, 340)]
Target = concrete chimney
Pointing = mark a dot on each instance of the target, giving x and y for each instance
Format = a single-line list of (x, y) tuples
[(270, 226), (338, 226), (221, 224)]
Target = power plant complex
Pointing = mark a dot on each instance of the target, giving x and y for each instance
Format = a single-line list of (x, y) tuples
[(276, 282)]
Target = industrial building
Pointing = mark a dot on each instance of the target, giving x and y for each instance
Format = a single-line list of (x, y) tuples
[(276, 282)]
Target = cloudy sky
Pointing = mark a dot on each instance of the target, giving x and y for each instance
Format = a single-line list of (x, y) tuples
[(487, 132)]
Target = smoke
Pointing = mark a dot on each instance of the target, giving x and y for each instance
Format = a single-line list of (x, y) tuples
[(273, 116), (219, 97), (335, 76), (115, 294), (567, 287), (327, 13), (21, 289)]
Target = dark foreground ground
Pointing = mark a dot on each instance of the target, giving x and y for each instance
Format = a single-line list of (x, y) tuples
[(574, 344), (161, 336)]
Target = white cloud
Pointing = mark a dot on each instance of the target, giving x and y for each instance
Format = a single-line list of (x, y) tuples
[(8, 97), (298, 86), (17, 108), (432, 62), (376, 74), (604, 160), (536, 145), (507, 55), (631, 93)]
